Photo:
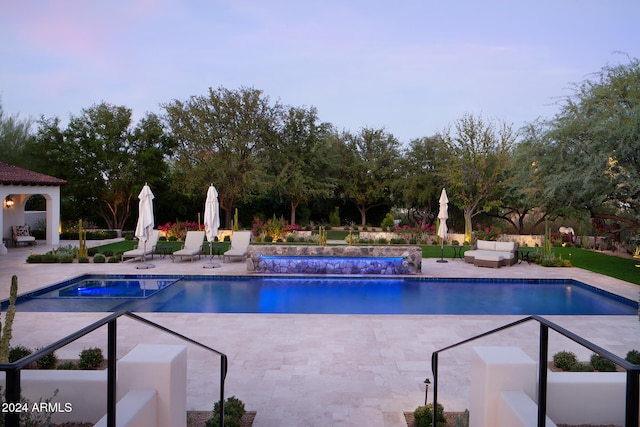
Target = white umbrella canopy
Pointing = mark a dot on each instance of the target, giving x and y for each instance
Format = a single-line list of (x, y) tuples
[(211, 214), (145, 223), (443, 215), (211, 221)]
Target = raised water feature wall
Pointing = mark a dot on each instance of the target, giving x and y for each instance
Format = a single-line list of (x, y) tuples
[(381, 260)]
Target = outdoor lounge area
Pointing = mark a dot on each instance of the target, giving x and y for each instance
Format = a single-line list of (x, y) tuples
[(375, 364)]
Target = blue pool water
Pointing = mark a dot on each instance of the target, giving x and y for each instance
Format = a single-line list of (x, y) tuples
[(230, 294)]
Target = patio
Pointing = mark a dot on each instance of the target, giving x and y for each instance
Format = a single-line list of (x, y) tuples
[(319, 370)]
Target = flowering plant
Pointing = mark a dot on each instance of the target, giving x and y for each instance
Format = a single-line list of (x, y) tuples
[(179, 229), (487, 233), (419, 234)]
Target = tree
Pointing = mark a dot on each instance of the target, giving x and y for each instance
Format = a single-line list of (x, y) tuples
[(15, 134), (104, 161), (420, 182), (477, 156), (220, 137), (591, 155), (371, 169), (302, 162)]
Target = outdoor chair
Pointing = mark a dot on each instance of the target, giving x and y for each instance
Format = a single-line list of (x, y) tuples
[(192, 246), (142, 249), (22, 234), (239, 244)]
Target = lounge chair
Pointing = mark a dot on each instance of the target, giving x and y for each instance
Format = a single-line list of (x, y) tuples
[(192, 245), (140, 251), (239, 243)]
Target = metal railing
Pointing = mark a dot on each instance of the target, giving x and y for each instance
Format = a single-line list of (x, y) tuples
[(632, 380), (12, 370)]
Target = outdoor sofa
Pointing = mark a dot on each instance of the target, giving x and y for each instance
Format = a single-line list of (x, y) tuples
[(487, 253)]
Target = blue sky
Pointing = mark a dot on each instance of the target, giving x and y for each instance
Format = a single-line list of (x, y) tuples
[(412, 67)]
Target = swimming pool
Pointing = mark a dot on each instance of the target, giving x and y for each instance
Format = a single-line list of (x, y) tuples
[(335, 295)]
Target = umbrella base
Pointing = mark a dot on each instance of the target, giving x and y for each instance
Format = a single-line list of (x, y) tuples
[(211, 265), (145, 266), (442, 260)]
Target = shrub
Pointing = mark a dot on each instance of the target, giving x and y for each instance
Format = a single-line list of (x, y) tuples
[(268, 238), (423, 416), (227, 238), (387, 222), (91, 358), (633, 357), (602, 364), (92, 251), (18, 352), (564, 360), (334, 217), (233, 412), (83, 260), (129, 237), (397, 241), (65, 259), (382, 241), (47, 362), (68, 366), (107, 253), (291, 238), (99, 259), (581, 367), (113, 259)]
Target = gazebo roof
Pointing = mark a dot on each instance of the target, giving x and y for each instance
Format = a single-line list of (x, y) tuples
[(13, 175)]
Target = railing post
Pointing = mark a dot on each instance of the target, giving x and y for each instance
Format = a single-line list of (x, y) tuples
[(12, 418), (542, 375), (434, 371), (631, 405), (223, 374), (111, 373)]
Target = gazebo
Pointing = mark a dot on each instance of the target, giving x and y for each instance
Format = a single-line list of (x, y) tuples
[(16, 186)]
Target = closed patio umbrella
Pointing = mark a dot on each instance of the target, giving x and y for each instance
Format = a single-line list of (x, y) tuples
[(211, 222), (443, 215), (145, 223)]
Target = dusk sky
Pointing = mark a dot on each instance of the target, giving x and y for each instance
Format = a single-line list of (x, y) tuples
[(412, 67)]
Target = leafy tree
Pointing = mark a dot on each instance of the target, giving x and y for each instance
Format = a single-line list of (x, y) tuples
[(220, 136), (302, 163), (591, 155), (104, 160), (371, 168), (477, 156), (14, 137), (419, 180)]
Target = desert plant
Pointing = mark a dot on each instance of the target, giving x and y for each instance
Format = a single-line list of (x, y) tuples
[(423, 416), (233, 412), (388, 222), (68, 366), (7, 331), (17, 353), (47, 362), (602, 364), (581, 367), (99, 259), (633, 356), (91, 358), (564, 360)]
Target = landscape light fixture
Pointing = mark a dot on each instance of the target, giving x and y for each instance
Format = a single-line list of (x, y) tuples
[(426, 390)]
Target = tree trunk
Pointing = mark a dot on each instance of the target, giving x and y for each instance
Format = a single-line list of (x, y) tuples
[(363, 215), (468, 226), (293, 212)]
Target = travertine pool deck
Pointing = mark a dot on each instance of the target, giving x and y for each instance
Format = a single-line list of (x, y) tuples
[(319, 370)]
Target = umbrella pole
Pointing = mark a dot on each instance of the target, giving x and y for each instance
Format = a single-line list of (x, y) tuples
[(211, 264), (442, 252), (143, 260)]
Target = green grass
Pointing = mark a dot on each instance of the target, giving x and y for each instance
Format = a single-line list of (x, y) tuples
[(609, 265)]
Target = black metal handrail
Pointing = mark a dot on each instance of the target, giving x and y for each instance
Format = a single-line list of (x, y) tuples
[(633, 371), (12, 393)]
